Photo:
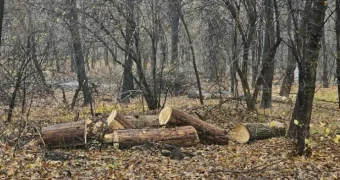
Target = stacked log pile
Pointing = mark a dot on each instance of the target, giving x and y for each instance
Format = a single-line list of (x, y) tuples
[(172, 126)]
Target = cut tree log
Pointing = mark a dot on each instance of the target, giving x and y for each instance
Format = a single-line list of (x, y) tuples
[(65, 135), (207, 132), (194, 94), (244, 133), (117, 121), (180, 136), (143, 121), (282, 99)]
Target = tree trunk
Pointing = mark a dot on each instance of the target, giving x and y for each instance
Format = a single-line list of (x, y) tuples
[(325, 82), (247, 37), (337, 30), (128, 86), (2, 10), (270, 47), (14, 95), (93, 58), (288, 78), (34, 56), (300, 121), (211, 40), (259, 55), (78, 52), (208, 132), (233, 62), (179, 136), (192, 53), (174, 30), (106, 56), (86, 55)]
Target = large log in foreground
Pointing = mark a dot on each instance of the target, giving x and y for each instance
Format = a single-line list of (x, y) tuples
[(207, 132), (180, 136), (65, 135), (244, 133)]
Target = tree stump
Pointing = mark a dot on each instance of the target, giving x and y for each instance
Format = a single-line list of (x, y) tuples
[(180, 136), (244, 133), (208, 132)]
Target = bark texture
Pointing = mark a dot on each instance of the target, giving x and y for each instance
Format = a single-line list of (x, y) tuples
[(179, 136), (208, 132), (307, 64)]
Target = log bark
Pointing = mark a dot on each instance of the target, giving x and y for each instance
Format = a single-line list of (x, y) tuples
[(143, 121), (65, 135), (244, 133), (180, 136), (117, 121), (207, 132), (123, 121)]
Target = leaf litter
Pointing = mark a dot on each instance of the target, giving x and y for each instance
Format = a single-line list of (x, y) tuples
[(266, 159)]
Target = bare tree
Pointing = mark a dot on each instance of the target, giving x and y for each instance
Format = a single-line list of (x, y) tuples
[(325, 82), (2, 10), (78, 52), (288, 77), (307, 63), (270, 46), (247, 36), (128, 86), (175, 17), (337, 30)]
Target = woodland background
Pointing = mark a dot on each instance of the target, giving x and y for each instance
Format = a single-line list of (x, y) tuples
[(67, 59)]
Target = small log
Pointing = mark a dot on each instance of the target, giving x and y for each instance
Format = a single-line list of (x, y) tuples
[(282, 99), (194, 94), (244, 133), (206, 131), (117, 121), (180, 136), (65, 135), (143, 121)]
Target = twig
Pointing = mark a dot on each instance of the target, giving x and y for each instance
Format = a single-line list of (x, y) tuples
[(252, 170), (36, 128)]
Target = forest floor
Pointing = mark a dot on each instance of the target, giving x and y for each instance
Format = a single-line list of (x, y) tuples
[(265, 159)]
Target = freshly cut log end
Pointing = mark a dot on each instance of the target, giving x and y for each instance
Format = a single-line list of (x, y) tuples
[(164, 116), (240, 133), (111, 119), (117, 121), (181, 136), (244, 133), (65, 135)]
